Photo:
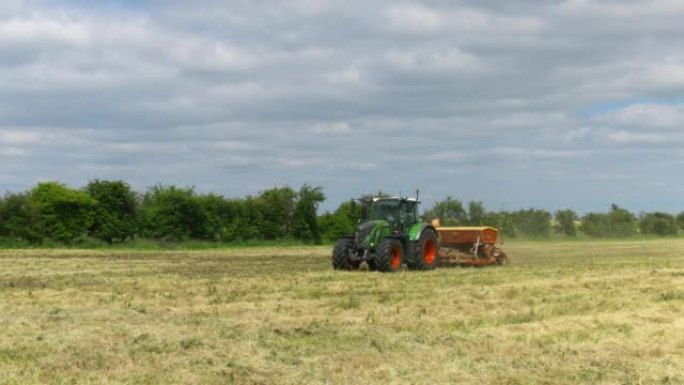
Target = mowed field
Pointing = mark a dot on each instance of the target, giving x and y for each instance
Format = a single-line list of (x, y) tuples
[(600, 312)]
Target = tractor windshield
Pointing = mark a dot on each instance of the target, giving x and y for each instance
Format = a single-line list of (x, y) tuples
[(382, 209)]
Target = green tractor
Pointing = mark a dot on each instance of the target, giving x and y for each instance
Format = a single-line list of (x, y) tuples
[(389, 235)]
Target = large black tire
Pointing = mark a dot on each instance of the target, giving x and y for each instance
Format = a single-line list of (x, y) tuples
[(427, 253), (341, 255), (372, 265), (390, 256)]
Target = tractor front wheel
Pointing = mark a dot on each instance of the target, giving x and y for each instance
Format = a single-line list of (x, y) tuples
[(390, 256), (342, 254), (372, 264), (427, 256)]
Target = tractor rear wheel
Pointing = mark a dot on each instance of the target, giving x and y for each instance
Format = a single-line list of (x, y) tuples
[(342, 254), (390, 255), (427, 255)]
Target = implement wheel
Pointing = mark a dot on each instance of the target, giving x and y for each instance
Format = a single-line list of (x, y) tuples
[(341, 255), (427, 256), (501, 257), (390, 256)]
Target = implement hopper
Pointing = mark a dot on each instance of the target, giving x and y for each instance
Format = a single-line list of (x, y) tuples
[(469, 246)]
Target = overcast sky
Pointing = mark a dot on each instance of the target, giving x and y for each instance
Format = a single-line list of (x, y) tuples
[(518, 104)]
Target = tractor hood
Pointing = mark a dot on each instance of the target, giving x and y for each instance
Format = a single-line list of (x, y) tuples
[(369, 233)]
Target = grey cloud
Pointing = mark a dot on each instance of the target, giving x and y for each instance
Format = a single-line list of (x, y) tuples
[(482, 100)]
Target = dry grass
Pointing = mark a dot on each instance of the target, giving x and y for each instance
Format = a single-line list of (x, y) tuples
[(562, 313)]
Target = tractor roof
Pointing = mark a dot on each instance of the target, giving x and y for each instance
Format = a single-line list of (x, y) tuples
[(395, 199)]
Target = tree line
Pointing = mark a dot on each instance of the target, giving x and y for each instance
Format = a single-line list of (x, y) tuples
[(616, 223), (112, 212)]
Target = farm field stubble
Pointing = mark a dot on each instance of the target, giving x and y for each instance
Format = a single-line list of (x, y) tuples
[(574, 312)]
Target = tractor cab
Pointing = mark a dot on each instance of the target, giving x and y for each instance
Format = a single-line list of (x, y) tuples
[(400, 213)]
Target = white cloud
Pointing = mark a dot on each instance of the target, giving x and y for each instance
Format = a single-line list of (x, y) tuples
[(312, 8), (537, 153), (627, 137), (230, 145), (335, 128), (13, 152), (527, 120), (646, 116), (413, 19), (42, 29), (622, 9), (18, 137), (295, 163), (196, 53), (667, 75), (350, 76), (430, 59)]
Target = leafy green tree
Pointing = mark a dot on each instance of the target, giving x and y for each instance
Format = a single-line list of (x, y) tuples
[(617, 223), (622, 222), (277, 211), (565, 222), (476, 213), (680, 220), (64, 214), (220, 217), (596, 225), (339, 223), (250, 219), (449, 211), (502, 220), (115, 210), (658, 223), (305, 220), (535, 223), (172, 213), (19, 218), (235, 217)]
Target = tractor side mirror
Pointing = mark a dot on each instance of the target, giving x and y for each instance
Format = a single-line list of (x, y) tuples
[(353, 207)]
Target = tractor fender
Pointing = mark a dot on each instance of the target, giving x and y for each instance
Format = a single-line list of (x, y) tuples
[(416, 230)]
